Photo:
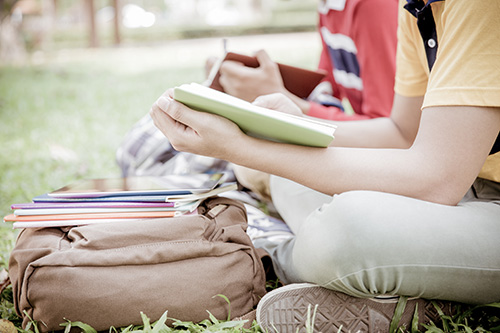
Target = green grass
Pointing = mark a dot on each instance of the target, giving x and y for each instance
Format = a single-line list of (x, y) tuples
[(63, 119), (60, 123), (63, 116)]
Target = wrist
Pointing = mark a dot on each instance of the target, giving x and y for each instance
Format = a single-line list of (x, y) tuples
[(234, 151)]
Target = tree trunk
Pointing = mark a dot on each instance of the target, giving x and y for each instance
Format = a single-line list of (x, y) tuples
[(93, 41), (12, 48), (117, 20)]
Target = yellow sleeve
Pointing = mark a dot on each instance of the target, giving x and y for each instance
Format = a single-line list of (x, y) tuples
[(411, 64), (467, 67)]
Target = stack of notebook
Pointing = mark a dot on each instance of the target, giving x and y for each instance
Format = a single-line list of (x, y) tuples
[(118, 199)]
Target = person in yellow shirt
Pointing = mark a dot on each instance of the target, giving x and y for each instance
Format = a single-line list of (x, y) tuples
[(404, 206)]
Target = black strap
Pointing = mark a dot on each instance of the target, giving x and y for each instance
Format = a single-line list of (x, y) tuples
[(426, 26), (496, 146)]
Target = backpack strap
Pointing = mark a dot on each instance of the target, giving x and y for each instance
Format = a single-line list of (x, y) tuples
[(496, 146), (426, 25)]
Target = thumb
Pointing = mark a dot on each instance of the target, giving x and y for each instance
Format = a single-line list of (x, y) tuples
[(264, 59), (176, 110), (278, 102), (270, 101)]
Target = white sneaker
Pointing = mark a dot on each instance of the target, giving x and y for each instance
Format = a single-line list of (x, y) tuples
[(310, 308)]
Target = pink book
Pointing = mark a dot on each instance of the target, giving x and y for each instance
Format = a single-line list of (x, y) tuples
[(86, 204)]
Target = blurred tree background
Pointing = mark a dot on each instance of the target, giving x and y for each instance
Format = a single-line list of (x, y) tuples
[(47, 25), (75, 75)]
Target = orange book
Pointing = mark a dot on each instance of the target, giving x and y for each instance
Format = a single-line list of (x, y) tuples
[(128, 215)]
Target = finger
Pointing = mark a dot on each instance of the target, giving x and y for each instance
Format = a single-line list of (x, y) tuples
[(209, 64), (165, 113), (182, 114), (264, 59), (232, 77), (164, 102), (270, 101), (176, 132), (278, 102), (177, 112), (169, 93), (233, 68), (161, 120)]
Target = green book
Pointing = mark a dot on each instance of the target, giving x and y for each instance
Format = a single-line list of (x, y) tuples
[(254, 120)]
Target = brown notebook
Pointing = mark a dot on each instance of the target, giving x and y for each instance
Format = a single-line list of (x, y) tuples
[(298, 81)]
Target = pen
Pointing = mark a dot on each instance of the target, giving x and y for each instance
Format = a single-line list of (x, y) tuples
[(224, 45)]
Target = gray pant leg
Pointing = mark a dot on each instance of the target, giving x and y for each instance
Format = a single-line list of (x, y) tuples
[(304, 201), (369, 243)]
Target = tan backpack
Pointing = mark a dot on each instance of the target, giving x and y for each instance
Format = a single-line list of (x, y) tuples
[(105, 275)]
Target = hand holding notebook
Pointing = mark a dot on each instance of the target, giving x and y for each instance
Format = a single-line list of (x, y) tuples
[(256, 121)]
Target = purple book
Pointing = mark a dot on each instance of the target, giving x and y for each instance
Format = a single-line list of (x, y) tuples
[(130, 198)]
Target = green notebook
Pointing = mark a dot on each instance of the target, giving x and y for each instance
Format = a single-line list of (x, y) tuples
[(256, 121)]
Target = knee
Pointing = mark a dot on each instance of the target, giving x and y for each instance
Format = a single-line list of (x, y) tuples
[(340, 239), (283, 189)]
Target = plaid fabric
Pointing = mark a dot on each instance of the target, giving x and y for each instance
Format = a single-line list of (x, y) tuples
[(145, 151)]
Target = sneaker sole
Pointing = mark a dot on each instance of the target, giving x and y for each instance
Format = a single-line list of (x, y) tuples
[(285, 310)]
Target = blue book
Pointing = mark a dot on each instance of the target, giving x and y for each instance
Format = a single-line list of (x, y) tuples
[(129, 198), (140, 186)]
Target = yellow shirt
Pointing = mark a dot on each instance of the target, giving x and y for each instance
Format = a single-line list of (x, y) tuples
[(467, 67)]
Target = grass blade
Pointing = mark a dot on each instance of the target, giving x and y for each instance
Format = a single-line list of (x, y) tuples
[(414, 321), (398, 313), (84, 327), (228, 302), (160, 323)]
